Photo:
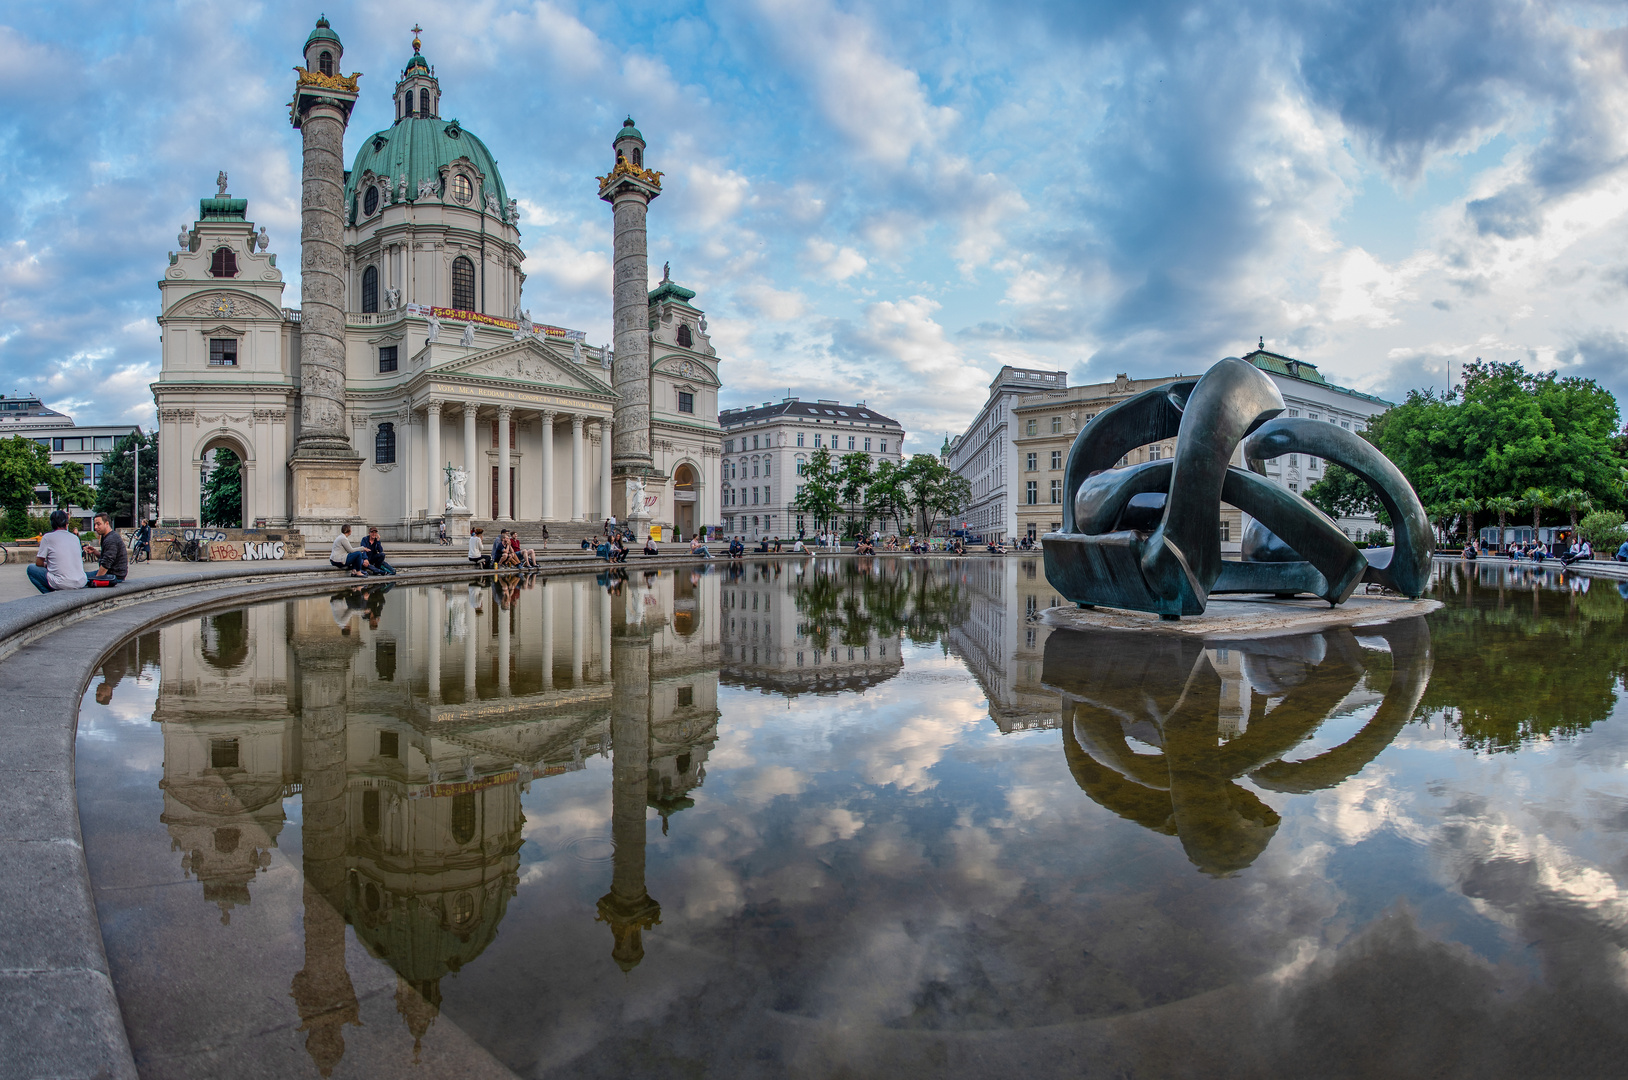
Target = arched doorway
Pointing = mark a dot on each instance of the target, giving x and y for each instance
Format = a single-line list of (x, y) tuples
[(685, 485), (223, 466)]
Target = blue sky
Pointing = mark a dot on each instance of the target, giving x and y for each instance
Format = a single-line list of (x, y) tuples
[(888, 202)]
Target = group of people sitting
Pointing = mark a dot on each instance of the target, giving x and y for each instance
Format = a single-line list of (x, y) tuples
[(360, 560), (59, 565), (505, 554)]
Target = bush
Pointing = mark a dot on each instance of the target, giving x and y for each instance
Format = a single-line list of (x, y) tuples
[(1604, 529), (1378, 538), (20, 523)]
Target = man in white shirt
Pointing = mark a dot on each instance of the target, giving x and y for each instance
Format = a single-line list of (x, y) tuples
[(60, 563)]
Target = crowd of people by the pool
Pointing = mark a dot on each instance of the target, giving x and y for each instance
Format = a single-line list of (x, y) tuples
[(1537, 551)]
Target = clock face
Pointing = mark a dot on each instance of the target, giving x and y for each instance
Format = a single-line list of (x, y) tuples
[(686, 369), (222, 306)]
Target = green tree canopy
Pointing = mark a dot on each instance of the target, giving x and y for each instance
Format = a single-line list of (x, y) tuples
[(223, 492), (819, 490), (933, 490), (25, 466), (854, 477), (116, 493)]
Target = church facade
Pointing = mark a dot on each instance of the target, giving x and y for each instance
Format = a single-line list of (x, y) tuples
[(411, 385)]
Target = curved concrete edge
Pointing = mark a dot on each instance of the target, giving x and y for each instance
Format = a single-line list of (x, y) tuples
[(1601, 568), (1243, 620)]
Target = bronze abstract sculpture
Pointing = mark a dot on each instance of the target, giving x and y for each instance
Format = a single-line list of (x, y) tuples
[(1147, 537)]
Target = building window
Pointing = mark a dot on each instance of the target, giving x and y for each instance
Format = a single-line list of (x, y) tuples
[(799, 438), (768, 466), (1057, 459), (729, 446), (1056, 491), (802, 467), (1294, 461), (463, 282), (1031, 493), (103, 442), (867, 446), (686, 402), (884, 446), (768, 498), (1031, 427), (325, 62), (754, 443), (423, 103), (1311, 464), (1226, 531), (370, 290), (754, 496), (384, 445), (684, 338), (816, 440), (223, 352), (462, 189), (370, 201), (387, 358), (224, 263), (1032, 463), (1293, 486), (1153, 453), (389, 744), (1057, 425)]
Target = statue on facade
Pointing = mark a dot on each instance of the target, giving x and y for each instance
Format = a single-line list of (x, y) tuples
[(434, 334), (392, 299), (492, 206), (468, 338), (514, 212), (457, 488), (635, 498), (220, 184), (426, 189), (576, 351), (264, 240), (1147, 537), (401, 188), (607, 357)]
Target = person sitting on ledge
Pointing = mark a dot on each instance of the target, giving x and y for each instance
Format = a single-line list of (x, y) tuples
[(762, 545), (346, 555), (59, 565), (477, 550), (113, 559), (697, 548), (374, 547)]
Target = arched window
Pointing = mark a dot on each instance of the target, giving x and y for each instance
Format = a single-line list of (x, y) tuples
[(370, 289), (384, 445), (370, 201), (638, 157), (407, 102), (684, 338), (463, 818), (423, 103), (463, 283), (325, 62), (224, 264)]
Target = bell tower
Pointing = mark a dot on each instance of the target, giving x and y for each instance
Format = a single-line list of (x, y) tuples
[(325, 468), (629, 187), (418, 91)]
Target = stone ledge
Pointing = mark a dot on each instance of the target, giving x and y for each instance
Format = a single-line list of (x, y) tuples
[(1245, 618)]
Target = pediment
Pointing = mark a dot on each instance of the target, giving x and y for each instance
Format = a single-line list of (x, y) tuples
[(223, 304), (685, 367), (528, 361)]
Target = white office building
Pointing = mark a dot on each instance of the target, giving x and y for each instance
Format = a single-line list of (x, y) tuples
[(987, 454), (32, 419)]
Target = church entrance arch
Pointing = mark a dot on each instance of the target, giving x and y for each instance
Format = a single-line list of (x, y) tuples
[(203, 458), (686, 485)]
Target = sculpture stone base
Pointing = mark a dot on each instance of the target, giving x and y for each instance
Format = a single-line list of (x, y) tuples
[(326, 494), (1255, 617), (639, 526), (457, 525)]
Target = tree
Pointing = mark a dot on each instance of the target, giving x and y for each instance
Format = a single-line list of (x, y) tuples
[(1341, 493), (68, 487), (854, 476), (1604, 529), (1466, 509), (1503, 506), (1575, 502), (818, 490), (115, 494), (1537, 500), (933, 491), (885, 497), (223, 492), (24, 466)]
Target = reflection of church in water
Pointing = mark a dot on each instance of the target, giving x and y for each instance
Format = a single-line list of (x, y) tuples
[(409, 725)]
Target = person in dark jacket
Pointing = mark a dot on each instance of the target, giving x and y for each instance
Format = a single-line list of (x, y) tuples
[(375, 553)]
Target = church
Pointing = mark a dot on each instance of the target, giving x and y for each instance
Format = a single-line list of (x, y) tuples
[(411, 385)]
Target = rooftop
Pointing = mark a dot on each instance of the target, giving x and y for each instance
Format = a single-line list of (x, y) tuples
[(1305, 371), (794, 407)]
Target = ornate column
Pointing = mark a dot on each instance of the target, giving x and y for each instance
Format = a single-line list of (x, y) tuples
[(548, 466), (628, 908), (576, 467), (326, 470), (470, 409), (432, 424), (629, 187), (605, 506), (503, 510)]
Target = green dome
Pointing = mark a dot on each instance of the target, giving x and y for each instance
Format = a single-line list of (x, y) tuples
[(323, 32), (417, 61), (628, 131), (417, 147)]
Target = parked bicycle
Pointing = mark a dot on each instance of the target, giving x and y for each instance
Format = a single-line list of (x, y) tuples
[(187, 551)]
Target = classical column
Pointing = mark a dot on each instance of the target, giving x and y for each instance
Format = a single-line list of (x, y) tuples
[(438, 629), (503, 646), (475, 480), (576, 467), (325, 469), (605, 634), (548, 635), (548, 466), (605, 510), (629, 187), (470, 691), (628, 908), (576, 588), (504, 415), (432, 424)]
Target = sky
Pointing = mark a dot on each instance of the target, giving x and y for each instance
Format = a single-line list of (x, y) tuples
[(888, 202)]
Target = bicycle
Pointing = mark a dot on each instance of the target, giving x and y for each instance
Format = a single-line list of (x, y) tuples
[(186, 551)]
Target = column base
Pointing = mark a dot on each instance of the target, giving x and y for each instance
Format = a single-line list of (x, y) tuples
[(326, 492), (655, 483)]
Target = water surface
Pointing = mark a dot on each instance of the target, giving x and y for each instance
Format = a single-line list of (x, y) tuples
[(862, 818)]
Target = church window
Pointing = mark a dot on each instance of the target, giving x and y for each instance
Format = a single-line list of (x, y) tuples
[(638, 157), (224, 263), (325, 62), (463, 818), (463, 282), (387, 358), (223, 352), (423, 103), (370, 826), (370, 201), (686, 402), (370, 285), (223, 753), (384, 445), (462, 189), (389, 744), (684, 338), (407, 103)]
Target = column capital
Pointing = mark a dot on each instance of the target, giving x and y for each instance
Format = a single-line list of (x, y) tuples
[(433, 406), (576, 422), (504, 412), (469, 408), (605, 424), (548, 415)]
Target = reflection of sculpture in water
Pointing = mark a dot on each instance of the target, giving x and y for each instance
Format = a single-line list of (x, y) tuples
[(1218, 711)]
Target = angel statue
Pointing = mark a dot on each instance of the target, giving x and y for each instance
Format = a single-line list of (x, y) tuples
[(401, 188), (457, 488), (468, 339), (635, 497), (607, 357), (426, 189), (220, 184), (263, 239), (435, 330)]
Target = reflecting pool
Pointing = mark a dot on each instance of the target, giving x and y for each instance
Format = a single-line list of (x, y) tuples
[(862, 818)]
